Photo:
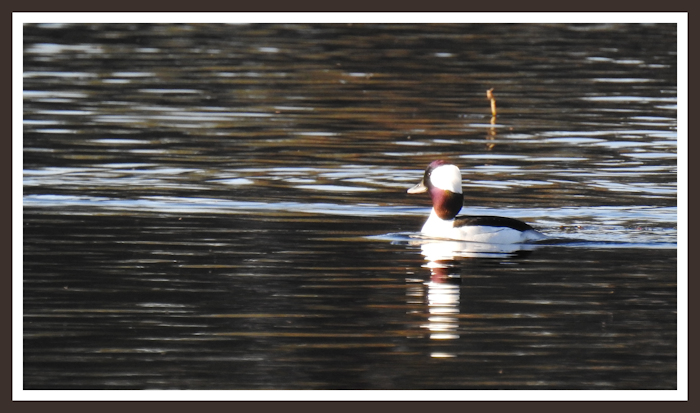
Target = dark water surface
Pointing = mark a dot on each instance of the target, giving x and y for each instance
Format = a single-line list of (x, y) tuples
[(224, 206)]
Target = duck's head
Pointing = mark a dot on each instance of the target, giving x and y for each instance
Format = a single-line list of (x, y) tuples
[(443, 182)]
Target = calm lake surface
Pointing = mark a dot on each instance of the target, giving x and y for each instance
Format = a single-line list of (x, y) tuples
[(224, 206)]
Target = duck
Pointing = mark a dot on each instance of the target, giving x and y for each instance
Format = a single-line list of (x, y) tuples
[(443, 181)]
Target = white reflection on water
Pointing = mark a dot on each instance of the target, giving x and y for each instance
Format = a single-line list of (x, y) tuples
[(442, 291), (643, 226)]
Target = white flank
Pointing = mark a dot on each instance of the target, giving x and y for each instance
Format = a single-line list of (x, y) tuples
[(439, 228)]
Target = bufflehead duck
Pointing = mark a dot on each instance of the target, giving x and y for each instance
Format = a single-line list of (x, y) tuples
[(444, 184)]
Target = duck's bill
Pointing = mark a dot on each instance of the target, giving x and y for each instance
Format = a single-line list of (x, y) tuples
[(418, 189)]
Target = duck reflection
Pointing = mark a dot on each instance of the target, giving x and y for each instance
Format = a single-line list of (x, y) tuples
[(441, 292), (443, 300)]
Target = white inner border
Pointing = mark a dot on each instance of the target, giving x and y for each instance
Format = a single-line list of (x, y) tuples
[(18, 19)]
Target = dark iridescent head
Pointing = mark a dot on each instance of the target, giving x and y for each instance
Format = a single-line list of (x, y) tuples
[(444, 183)]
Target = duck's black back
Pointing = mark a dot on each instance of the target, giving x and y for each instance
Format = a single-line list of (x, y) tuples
[(492, 221)]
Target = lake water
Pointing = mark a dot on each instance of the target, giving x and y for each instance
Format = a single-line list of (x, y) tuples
[(224, 207)]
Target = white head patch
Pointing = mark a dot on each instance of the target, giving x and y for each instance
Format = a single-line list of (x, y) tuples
[(447, 177)]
